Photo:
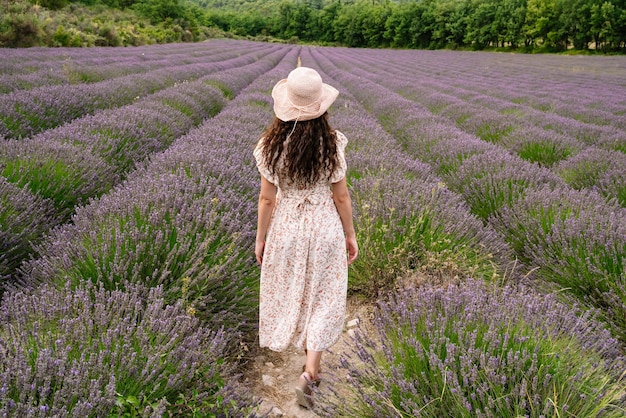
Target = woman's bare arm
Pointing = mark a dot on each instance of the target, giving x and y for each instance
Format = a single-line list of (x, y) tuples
[(267, 201), (341, 196)]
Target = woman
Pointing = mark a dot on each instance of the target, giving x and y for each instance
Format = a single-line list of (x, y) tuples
[(305, 224)]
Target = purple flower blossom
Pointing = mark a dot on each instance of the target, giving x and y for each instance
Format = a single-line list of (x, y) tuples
[(480, 350), (24, 217), (84, 352), (25, 113)]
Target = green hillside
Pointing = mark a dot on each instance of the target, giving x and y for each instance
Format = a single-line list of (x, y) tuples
[(25, 23)]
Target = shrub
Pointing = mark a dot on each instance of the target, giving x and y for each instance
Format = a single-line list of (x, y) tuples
[(495, 179), (447, 155), (613, 184), (586, 254), (539, 146), (158, 231), (407, 225), (480, 351), (64, 173), (488, 125), (586, 168), (24, 217), (89, 352), (21, 30), (530, 220)]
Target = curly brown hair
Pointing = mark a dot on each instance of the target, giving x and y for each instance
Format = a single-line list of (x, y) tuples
[(305, 159)]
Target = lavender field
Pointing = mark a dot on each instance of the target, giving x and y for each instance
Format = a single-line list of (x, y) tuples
[(128, 196)]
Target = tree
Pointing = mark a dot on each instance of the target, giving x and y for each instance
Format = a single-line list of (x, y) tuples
[(325, 21), (373, 22), (541, 26), (604, 22), (348, 27), (160, 10)]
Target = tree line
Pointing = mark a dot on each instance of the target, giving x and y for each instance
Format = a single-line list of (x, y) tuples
[(524, 25), (553, 25)]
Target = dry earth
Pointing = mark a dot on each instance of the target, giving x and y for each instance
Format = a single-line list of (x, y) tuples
[(273, 376)]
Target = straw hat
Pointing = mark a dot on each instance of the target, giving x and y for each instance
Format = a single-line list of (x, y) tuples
[(302, 96)]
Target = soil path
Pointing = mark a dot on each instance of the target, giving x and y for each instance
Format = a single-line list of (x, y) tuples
[(273, 376)]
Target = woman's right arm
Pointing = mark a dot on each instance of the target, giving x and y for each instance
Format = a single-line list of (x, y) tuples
[(267, 201), (341, 196)]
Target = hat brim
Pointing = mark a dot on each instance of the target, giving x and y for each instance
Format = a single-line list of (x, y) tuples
[(286, 111)]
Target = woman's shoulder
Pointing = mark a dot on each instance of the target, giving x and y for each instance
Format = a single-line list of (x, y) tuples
[(341, 138)]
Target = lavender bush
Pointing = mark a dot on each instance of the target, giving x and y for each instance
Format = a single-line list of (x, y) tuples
[(495, 179), (480, 351), (24, 216), (531, 219), (487, 125), (541, 147), (90, 352), (25, 113), (587, 255), (576, 241), (406, 226), (447, 155), (613, 184), (586, 168), (64, 173), (158, 231)]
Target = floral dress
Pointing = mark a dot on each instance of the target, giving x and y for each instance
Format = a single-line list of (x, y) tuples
[(304, 275)]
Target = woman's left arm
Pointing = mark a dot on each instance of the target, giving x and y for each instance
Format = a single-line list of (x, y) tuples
[(267, 201)]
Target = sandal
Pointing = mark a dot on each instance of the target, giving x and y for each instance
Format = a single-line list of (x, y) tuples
[(317, 381), (304, 394)]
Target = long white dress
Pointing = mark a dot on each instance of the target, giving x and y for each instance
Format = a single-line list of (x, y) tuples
[(304, 276)]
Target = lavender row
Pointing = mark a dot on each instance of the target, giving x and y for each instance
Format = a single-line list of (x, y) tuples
[(25, 113), (551, 83), (474, 350), (574, 160), (29, 60), (494, 182), (187, 214), (184, 222), (69, 165), (94, 69), (493, 119), (25, 217), (91, 352), (407, 222), (596, 169)]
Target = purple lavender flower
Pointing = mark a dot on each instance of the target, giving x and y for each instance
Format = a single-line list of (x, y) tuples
[(25, 113), (24, 217), (585, 169), (493, 180), (93, 352), (479, 350), (66, 174)]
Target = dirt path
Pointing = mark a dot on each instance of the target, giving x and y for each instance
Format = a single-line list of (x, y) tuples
[(273, 376)]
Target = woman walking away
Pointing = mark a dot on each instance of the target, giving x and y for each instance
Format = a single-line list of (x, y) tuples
[(305, 225)]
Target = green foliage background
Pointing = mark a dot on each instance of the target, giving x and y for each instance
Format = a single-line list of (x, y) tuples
[(524, 25)]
